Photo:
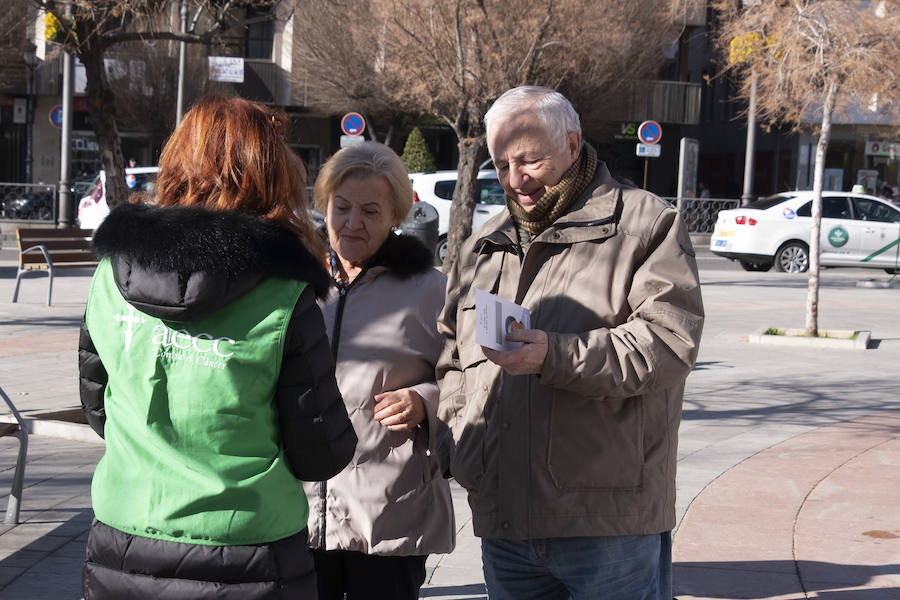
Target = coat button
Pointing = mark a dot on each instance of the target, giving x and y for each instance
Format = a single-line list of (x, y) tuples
[(505, 425), (504, 525), (484, 388)]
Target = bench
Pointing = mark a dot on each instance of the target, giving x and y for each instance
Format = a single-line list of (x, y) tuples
[(16, 430), (44, 249)]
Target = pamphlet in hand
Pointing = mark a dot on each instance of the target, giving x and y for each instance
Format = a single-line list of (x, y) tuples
[(496, 317)]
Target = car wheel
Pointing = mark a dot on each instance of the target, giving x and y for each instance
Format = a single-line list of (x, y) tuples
[(440, 250), (752, 266), (892, 271), (793, 257)]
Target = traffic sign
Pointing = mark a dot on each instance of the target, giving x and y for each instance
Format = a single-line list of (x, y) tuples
[(650, 132), (56, 115), (349, 140), (648, 150), (353, 124)]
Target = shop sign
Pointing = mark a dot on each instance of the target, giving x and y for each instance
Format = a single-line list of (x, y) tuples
[(891, 149)]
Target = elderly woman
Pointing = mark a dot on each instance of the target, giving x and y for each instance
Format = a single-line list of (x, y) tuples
[(205, 365), (372, 526)]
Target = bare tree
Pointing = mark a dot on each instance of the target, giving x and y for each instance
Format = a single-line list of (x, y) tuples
[(341, 65), (452, 58), (460, 55), (813, 58), (97, 26)]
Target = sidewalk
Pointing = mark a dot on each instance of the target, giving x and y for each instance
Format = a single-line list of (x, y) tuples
[(788, 473)]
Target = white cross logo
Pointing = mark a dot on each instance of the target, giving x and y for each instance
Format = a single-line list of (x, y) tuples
[(130, 319)]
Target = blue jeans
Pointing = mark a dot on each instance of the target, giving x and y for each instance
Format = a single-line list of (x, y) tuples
[(631, 567)]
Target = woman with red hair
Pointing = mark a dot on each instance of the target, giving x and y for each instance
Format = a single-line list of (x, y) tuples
[(205, 365)]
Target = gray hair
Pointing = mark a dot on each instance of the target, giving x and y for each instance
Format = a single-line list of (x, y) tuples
[(553, 110), (366, 159)]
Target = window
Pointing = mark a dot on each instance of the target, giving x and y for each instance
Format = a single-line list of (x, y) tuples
[(833, 207), (444, 189), (260, 34), (872, 210), (489, 191)]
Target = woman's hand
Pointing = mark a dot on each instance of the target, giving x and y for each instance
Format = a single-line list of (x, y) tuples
[(400, 410)]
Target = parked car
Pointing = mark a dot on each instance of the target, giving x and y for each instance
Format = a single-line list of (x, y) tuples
[(92, 208), (857, 231), (437, 187)]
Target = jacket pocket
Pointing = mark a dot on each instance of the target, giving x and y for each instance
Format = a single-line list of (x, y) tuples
[(595, 443), (467, 464)]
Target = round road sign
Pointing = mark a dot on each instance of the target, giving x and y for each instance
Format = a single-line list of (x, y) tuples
[(353, 124), (56, 115), (649, 132)]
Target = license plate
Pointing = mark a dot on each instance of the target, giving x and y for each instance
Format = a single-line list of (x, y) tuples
[(720, 243)]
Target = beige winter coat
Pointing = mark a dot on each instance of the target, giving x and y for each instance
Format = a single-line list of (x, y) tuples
[(391, 499), (588, 446)]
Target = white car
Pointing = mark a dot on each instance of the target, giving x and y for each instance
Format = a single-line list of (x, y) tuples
[(857, 231), (92, 209), (436, 188)]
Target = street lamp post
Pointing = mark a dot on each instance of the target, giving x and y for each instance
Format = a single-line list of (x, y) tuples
[(31, 61), (747, 195), (182, 61), (65, 194)]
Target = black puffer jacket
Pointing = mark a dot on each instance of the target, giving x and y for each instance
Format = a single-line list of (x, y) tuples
[(180, 264)]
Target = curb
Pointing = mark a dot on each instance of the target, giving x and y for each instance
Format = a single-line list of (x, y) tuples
[(836, 339), (44, 425)]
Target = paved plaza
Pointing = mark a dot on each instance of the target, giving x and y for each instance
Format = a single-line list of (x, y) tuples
[(789, 457)]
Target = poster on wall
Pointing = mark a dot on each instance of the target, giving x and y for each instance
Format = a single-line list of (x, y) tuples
[(834, 180), (868, 179), (229, 69)]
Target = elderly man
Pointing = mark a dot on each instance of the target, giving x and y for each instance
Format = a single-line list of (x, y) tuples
[(567, 445)]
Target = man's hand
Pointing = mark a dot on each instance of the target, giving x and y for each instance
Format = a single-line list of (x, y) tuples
[(400, 410), (525, 360)]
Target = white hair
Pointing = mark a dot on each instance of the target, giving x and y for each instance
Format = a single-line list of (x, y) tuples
[(553, 110)]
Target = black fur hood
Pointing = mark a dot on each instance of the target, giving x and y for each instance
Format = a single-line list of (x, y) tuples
[(181, 263)]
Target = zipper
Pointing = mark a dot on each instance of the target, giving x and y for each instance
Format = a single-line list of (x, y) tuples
[(335, 342)]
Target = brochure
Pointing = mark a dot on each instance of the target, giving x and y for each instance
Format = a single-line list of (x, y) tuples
[(495, 317)]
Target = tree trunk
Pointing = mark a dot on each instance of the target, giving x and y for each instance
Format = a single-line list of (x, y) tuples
[(812, 296), (102, 108), (471, 149)]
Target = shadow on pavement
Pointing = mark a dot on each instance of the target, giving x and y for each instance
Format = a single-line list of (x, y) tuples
[(66, 322), (805, 400), (777, 578), (472, 591), (9, 272)]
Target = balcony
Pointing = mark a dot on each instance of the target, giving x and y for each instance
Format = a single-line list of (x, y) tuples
[(673, 102)]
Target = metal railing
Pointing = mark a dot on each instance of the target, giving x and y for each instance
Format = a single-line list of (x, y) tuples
[(700, 214), (28, 202)]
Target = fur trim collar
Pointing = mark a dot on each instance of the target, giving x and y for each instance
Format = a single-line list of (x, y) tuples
[(186, 240), (403, 255)]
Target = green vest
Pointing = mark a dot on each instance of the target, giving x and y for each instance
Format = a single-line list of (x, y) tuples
[(192, 435)]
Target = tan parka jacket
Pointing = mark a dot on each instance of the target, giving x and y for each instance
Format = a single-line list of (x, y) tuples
[(588, 446), (391, 500)]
